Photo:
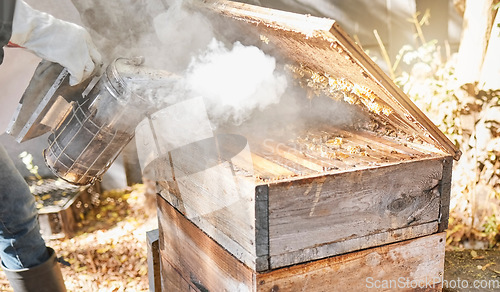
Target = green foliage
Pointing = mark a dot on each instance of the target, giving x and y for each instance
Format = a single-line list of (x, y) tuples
[(431, 84), (491, 223), (467, 116), (492, 230)]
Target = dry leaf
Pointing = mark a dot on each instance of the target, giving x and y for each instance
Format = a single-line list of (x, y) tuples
[(474, 255), (487, 265)]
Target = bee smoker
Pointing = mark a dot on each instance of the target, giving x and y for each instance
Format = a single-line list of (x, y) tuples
[(90, 124), (99, 126)]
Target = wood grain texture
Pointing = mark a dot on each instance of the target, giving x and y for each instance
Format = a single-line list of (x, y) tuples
[(200, 261), (219, 226), (192, 261), (207, 191), (262, 228), (351, 245), (445, 190), (172, 281), (306, 214), (153, 259), (399, 266)]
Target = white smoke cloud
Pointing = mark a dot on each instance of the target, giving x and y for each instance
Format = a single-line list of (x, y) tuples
[(235, 81), (183, 33)]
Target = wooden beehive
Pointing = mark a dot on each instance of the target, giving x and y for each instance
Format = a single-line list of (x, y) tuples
[(192, 261), (60, 206), (279, 217), (263, 202)]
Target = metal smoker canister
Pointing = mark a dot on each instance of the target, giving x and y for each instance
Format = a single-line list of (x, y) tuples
[(99, 126)]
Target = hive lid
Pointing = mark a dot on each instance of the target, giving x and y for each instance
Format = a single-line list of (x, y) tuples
[(334, 61)]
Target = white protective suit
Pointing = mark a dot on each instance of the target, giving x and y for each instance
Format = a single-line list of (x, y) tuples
[(51, 39), (55, 40)]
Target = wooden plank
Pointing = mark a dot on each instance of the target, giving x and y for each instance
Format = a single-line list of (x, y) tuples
[(288, 153), (252, 163), (259, 164), (407, 110), (379, 143), (199, 260), (351, 245), (316, 159), (303, 157), (368, 154), (312, 212), (357, 149), (269, 169), (289, 163), (224, 226), (445, 190), (345, 156), (171, 279), (216, 199), (262, 228), (153, 258), (414, 150), (401, 266)]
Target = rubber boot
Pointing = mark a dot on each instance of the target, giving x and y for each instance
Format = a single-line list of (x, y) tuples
[(45, 277)]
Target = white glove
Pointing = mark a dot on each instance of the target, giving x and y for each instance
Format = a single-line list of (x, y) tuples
[(55, 40)]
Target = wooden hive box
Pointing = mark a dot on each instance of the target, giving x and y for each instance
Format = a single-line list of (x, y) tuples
[(192, 261), (61, 206), (272, 201)]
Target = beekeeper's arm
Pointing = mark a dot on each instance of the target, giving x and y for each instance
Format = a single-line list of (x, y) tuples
[(6, 17), (51, 39)]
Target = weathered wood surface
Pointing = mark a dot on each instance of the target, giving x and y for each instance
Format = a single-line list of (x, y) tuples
[(356, 150), (401, 266), (217, 200), (322, 46), (61, 221), (306, 216), (268, 226), (199, 260), (192, 261), (172, 281), (445, 190), (153, 258), (391, 189)]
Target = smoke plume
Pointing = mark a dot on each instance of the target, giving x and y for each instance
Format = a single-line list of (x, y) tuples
[(235, 81)]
